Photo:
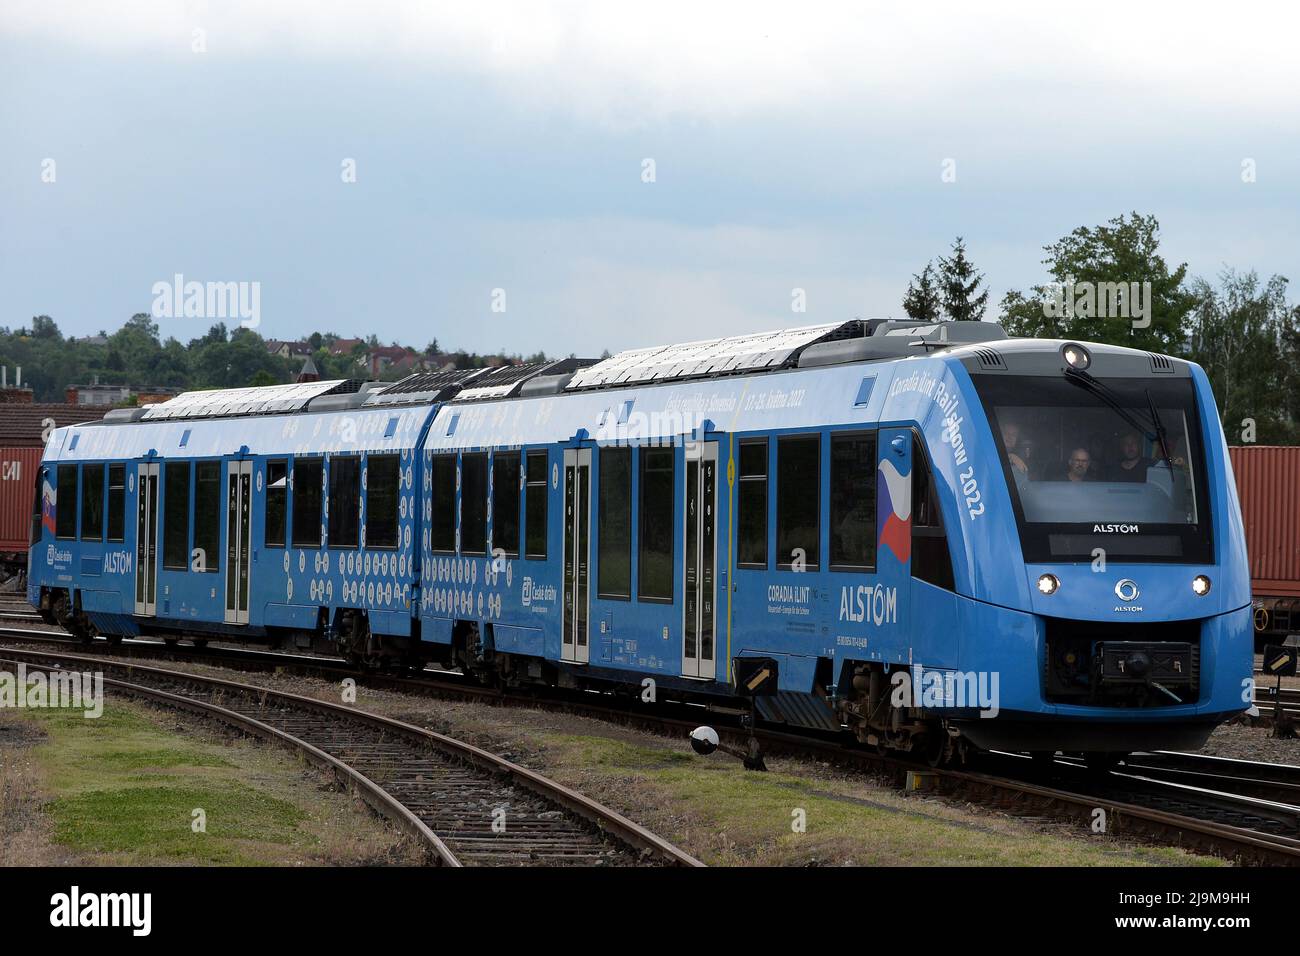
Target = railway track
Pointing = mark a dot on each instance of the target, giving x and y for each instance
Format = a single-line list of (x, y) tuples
[(1220, 818), (465, 806), (17, 609), (1279, 783), (1211, 795)]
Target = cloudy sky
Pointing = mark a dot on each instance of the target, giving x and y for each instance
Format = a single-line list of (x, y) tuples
[(502, 145)]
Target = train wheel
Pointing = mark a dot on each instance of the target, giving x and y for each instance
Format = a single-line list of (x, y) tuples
[(114, 640), (199, 642), (171, 641), (939, 750)]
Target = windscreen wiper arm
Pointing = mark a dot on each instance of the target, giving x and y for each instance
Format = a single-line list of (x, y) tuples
[(1161, 434), (1103, 391)]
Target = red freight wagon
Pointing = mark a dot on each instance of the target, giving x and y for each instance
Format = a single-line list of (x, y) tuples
[(18, 467), (1268, 484), (24, 429)]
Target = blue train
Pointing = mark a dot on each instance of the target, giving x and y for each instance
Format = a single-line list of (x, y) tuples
[(930, 535)]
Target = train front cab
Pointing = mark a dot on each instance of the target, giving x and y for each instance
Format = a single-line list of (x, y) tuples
[(1115, 608)]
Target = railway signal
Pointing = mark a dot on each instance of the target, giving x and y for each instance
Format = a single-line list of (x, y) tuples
[(1280, 661)]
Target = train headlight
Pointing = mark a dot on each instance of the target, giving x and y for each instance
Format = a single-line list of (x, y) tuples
[(1201, 585), (1048, 583), (1076, 356)]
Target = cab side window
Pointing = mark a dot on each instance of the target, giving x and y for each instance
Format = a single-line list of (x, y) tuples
[(931, 559)]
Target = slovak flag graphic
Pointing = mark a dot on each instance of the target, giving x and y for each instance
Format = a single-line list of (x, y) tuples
[(48, 499), (894, 510)]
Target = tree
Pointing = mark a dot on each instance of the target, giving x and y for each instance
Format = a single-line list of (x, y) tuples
[(1289, 356), (171, 366), (133, 349), (44, 327), (959, 285), (1122, 255), (1239, 333), (923, 299)]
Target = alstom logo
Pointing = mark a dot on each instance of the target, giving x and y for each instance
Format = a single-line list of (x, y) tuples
[(869, 604), (1114, 529)]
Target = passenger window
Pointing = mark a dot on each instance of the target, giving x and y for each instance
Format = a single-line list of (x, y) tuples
[(473, 504), (176, 515), (798, 501), (92, 503), (444, 503), (505, 502), (207, 515), (853, 502), (307, 474), (277, 510), (655, 566), (614, 572), (116, 502), (536, 503), (383, 480), (345, 501), (931, 559), (751, 505), (65, 502)]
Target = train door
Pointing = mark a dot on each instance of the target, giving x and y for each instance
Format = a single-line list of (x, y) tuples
[(146, 539), (577, 554), (238, 538), (700, 560)]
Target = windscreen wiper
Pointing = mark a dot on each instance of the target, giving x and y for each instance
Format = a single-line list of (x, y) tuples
[(1150, 430), (1161, 434)]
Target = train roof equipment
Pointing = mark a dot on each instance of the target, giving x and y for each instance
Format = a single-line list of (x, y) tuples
[(477, 383), (855, 341), (237, 402)]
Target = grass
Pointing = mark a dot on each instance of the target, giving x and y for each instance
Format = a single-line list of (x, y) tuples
[(125, 787), (736, 817)]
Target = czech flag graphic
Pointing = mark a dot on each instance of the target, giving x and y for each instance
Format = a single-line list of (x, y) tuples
[(48, 499), (894, 510)]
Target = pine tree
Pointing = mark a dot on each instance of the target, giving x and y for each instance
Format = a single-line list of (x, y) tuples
[(922, 299), (958, 284)]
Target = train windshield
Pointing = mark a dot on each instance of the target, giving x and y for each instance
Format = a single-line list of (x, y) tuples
[(1102, 463)]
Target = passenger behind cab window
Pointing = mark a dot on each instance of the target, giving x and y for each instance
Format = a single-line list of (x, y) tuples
[(1011, 447), (1079, 466), (1130, 464)]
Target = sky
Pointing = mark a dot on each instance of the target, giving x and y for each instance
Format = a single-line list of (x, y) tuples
[(574, 177)]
